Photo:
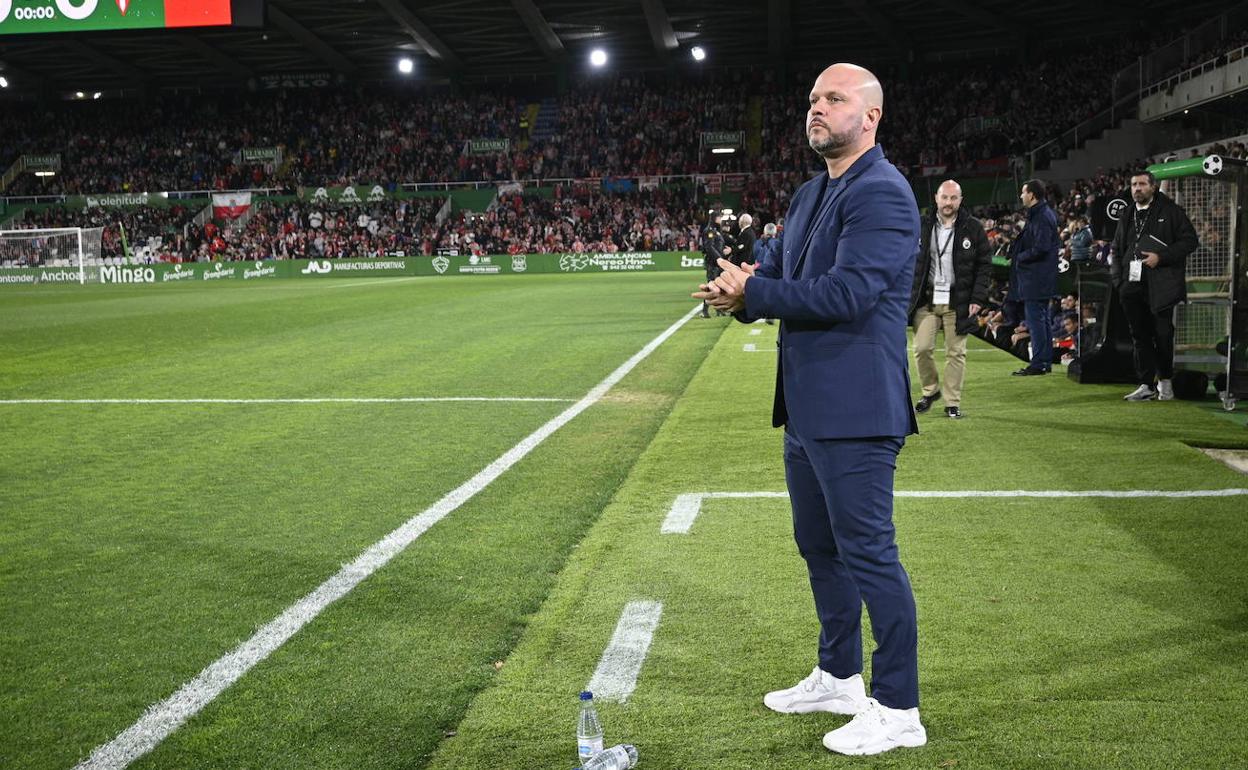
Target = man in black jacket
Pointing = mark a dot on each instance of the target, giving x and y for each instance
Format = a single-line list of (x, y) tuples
[(1148, 269), (744, 250), (951, 276), (713, 248)]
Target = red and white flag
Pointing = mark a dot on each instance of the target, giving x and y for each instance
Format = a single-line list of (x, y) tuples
[(230, 205)]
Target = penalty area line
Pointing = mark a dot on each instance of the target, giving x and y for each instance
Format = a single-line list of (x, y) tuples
[(163, 718), (685, 508), (620, 665)]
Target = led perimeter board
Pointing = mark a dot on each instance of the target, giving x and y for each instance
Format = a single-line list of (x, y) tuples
[(20, 17)]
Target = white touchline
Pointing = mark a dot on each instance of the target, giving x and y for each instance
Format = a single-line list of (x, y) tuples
[(685, 508), (162, 718), (356, 282), (749, 347), (326, 400), (616, 675)]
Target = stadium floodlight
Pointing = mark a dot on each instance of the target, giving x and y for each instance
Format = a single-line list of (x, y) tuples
[(598, 57), (4, 82), (723, 150), (97, 95), (80, 95), (698, 53), (406, 65)]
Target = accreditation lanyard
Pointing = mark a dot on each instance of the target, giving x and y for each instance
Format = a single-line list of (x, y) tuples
[(1135, 269), (940, 288)]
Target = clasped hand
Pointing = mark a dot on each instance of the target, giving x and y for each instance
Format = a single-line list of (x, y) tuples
[(726, 292)]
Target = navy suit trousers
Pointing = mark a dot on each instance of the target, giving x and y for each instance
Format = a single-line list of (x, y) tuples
[(841, 491), (1036, 313)]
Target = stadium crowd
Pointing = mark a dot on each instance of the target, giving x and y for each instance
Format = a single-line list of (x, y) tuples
[(572, 219), (133, 227), (622, 125)]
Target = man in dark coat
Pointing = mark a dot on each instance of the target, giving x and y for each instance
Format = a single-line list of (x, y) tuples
[(744, 250), (762, 247), (713, 248), (1151, 246), (1033, 274), (951, 275)]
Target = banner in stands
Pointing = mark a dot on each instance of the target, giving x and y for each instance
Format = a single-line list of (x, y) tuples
[(230, 205), (347, 196), (389, 266), (36, 16), (733, 139), (114, 201), (261, 154), (51, 162), (126, 200), (486, 146), (298, 80)]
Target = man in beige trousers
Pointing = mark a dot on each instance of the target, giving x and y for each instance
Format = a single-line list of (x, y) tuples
[(951, 278)]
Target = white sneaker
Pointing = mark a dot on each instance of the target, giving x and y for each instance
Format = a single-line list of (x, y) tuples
[(1142, 393), (820, 692), (1165, 390), (877, 729)]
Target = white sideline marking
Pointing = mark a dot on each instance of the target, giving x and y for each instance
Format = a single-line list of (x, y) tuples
[(942, 350), (685, 508), (412, 400), (616, 675), (390, 281), (162, 718), (749, 347), (755, 332)]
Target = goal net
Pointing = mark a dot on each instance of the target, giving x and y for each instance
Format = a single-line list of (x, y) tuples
[(65, 251)]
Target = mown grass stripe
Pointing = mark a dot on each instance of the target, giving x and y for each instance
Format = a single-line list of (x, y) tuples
[(163, 718)]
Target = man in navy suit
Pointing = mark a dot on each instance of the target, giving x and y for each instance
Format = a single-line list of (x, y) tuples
[(1033, 274), (841, 287)]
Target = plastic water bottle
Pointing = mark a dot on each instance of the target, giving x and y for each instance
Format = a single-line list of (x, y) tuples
[(619, 757), (588, 729)]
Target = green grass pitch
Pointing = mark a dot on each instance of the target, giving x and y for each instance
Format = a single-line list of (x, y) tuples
[(140, 542)]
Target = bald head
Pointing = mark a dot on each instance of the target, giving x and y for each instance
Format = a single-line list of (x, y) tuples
[(864, 81), (948, 200), (846, 104)]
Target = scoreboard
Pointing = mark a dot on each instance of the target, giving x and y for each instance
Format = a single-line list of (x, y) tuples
[(19, 17)]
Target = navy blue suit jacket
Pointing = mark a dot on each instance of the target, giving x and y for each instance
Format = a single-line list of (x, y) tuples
[(1033, 256), (841, 288)]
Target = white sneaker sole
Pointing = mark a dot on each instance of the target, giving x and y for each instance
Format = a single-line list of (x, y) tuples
[(838, 706), (906, 741)]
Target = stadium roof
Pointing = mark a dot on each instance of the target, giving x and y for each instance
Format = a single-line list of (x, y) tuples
[(475, 40)]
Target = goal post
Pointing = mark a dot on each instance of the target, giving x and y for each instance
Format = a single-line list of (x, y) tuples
[(77, 249)]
